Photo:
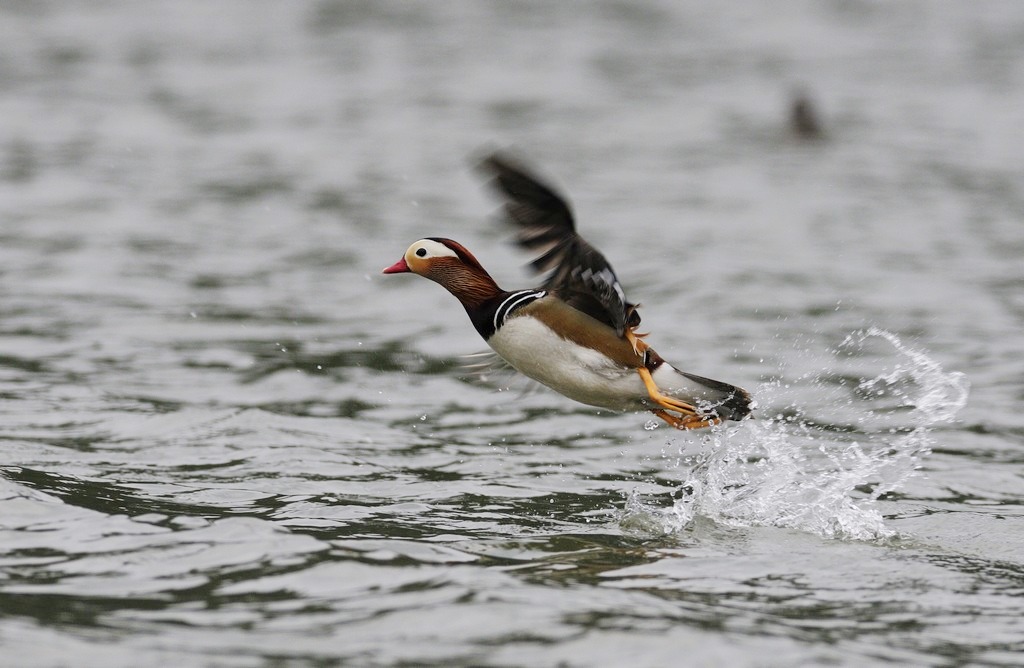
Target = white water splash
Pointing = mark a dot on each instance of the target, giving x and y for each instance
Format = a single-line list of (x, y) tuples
[(821, 475)]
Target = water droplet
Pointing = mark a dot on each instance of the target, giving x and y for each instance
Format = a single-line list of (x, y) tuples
[(651, 425)]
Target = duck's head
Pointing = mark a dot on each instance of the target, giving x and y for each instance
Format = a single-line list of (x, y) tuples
[(449, 263), (424, 256)]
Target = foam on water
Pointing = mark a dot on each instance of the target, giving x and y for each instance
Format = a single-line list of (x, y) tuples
[(821, 475)]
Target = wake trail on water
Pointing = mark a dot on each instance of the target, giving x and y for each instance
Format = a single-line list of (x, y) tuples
[(878, 402)]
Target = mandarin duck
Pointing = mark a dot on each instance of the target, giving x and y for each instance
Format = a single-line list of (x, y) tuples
[(576, 333)]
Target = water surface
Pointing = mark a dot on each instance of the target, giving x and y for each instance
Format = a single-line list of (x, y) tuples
[(229, 441)]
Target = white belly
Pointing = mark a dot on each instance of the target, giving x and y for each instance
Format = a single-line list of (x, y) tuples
[(576, 371)]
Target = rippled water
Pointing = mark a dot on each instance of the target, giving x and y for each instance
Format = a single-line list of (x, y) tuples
[(227, 440)]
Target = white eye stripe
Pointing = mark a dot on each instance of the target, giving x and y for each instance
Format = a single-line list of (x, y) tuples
[(427, 248)]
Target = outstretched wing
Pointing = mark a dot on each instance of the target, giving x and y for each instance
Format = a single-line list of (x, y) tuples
[(579, 273), (487, 368)]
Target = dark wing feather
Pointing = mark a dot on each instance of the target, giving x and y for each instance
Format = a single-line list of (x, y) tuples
[(579, 273)]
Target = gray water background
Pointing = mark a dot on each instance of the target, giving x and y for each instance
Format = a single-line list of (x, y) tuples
[(228, 441)]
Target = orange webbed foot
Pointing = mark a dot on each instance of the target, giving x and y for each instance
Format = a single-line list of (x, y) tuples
[(686, 422), (639, 347)]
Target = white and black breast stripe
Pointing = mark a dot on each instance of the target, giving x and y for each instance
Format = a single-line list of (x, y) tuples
[(515, 301)]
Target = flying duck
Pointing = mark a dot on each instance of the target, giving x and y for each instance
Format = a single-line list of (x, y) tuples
[(575, 333)]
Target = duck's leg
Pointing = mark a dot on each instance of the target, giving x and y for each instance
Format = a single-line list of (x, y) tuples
[(688, 422), (689, 417), (664, 400)]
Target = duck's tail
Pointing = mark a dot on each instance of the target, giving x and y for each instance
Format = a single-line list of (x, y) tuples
[(710, 397)]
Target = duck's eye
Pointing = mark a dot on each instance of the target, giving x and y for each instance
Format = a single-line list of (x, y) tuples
[(421, 252)]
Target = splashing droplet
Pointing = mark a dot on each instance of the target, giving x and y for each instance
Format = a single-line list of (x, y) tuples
[(821, 475)]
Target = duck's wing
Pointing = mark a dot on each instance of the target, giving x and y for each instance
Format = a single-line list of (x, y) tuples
[(487, 368), (579, 273)]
